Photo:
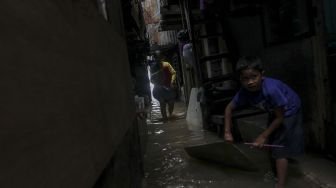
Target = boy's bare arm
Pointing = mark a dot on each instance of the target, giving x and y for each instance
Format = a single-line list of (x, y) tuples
[(279, 117), (228, 122)]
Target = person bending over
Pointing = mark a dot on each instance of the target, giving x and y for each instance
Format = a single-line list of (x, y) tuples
[(284, 106), (163, 76)]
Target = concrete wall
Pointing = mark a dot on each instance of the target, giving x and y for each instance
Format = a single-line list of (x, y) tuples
[(66, 101), (292, 62), (126, 166)]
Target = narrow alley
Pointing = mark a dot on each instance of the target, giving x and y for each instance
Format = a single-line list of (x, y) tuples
[(86, 83)]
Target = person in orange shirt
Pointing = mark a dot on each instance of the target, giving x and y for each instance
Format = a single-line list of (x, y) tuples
[(163, 76)]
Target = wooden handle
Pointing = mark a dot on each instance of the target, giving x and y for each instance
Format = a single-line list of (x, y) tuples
[(267, 145)]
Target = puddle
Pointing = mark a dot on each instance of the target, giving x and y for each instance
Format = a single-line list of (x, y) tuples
[(168, 165)]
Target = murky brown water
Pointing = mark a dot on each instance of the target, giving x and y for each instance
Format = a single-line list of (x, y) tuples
[(168, 165)]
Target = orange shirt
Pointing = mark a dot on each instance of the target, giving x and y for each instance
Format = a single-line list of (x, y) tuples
[(166, 76)]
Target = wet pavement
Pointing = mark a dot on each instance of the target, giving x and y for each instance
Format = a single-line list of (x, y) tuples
[(168, 165)]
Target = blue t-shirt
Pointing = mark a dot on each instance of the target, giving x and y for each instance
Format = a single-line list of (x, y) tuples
[(273, 94)]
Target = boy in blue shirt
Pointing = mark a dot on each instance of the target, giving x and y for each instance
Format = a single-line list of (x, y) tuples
[(284, 106)]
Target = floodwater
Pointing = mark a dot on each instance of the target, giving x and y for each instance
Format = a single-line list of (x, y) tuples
[(168, 165)]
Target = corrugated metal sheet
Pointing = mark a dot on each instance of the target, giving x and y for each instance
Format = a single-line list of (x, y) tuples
[(162, 32), (167, 37)]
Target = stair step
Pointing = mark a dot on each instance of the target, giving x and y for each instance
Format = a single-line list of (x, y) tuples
[(219, 119), (215, 56), (221, 100), (217, 35), (225, 77), (206, 21)]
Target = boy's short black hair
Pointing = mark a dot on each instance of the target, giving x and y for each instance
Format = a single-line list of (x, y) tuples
[(249, 62)]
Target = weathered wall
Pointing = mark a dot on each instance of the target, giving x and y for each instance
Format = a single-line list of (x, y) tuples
[(66, 99), (247, 32), (331, 129), (292, 62), (126, 166)]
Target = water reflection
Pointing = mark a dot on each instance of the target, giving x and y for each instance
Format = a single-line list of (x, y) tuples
[(167, 164), (159, 132)]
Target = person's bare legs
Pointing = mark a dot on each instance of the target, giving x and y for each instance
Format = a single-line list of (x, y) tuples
[(170, 108), (163, 110), (281, 167)]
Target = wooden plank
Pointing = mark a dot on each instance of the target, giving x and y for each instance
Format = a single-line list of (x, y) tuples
[(223, 153)]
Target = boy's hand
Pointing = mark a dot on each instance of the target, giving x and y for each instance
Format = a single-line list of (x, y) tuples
[(228, 137), (259, 142)]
